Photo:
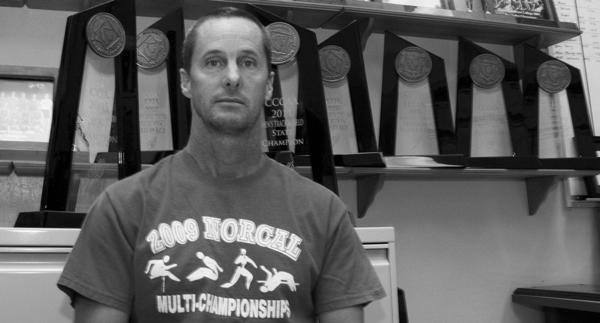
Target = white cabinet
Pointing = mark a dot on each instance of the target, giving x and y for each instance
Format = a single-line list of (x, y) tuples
[(380, 247), (31, 261)]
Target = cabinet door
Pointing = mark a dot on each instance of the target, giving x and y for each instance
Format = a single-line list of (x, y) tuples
[(384, 310), (28, 278)]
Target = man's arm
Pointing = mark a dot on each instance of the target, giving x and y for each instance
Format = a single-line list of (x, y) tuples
[(352, 314), (89, 311)]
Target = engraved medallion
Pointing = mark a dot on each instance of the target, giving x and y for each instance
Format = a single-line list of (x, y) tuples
[(152, 48), (105, 34), (553, 76), (335, 63), (285, 42), (486, 70), (413, 64)]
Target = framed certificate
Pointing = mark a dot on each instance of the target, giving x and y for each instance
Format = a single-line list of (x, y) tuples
[(526, 11), (26, 99)]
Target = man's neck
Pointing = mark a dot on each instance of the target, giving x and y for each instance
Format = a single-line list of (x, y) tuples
[(225, 155)]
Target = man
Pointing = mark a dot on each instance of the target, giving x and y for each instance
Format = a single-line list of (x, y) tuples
[(220, 195)]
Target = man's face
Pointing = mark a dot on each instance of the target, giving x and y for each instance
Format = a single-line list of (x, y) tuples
[(229, 79)]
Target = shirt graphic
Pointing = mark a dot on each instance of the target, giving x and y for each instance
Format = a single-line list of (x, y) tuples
[(241, 262), (266, 277), (211, 271), (159, 268), (275, 279)]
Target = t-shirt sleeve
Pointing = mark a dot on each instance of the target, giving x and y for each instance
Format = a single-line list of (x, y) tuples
[(100, 264), (347, 277)]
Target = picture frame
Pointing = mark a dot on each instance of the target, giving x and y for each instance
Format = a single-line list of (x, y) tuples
[(525, 11), (437, 4), (26, 100)]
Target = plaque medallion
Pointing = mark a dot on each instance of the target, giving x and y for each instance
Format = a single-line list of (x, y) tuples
[(486, 70), (285, 42), (152, 48), (335, 63), (553, 76), (413, 64), (105, 35)]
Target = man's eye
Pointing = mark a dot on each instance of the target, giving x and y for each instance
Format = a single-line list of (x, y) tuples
[(249, 62), (213, 62)]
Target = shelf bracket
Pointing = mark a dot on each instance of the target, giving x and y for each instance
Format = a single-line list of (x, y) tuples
[(537, 190), (367, 186)]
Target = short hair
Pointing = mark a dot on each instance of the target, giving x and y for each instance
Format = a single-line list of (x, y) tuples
[(189, 42)]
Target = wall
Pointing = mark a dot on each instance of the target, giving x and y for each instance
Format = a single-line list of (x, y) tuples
[(463, 246)]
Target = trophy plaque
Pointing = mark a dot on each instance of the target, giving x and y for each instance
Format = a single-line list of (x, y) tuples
[(164, 111), (557, 116), (97, 75), (284, 123), (295, 118), (346, 93), (155, 116), (416, 119), (489, 113)]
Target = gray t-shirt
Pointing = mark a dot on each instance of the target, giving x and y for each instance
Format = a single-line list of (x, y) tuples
[(170, 244)]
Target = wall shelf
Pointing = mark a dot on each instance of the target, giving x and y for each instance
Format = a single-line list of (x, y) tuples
[(369, 180), (538, 181), (403, 19), (417, 21)]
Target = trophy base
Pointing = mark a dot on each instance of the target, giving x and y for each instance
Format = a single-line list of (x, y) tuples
[(147, 157), (509, 162), (289, 159), (426, 161), (578, 163), (532, 162), (50, 219), (366, 159), (302, 160), (284, 157), (377, 159)]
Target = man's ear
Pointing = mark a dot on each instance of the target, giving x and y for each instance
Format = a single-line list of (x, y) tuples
[(269, 89), (184, 78)]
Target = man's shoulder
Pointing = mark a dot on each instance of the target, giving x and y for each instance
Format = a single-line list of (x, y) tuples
[(146, 179), (301, 183)]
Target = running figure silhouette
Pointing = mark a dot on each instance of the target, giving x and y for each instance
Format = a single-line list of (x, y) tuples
[(241, 270)]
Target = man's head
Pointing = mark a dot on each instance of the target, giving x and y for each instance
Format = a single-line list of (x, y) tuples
[(225, 12), (228, 76)]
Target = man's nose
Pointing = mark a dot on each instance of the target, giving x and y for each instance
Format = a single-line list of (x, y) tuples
[(232, 77)]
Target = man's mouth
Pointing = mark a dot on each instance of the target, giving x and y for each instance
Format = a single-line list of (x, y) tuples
[(230, 100)]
